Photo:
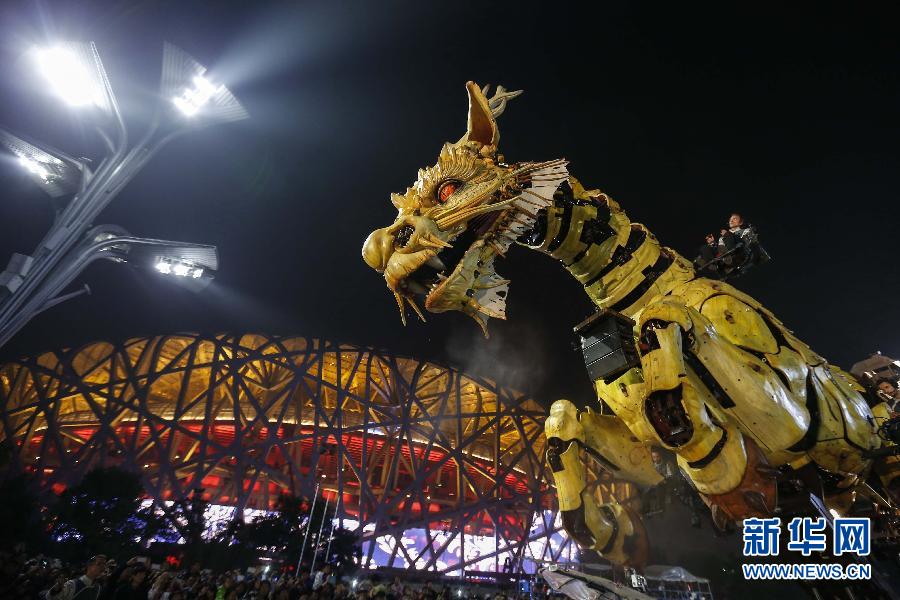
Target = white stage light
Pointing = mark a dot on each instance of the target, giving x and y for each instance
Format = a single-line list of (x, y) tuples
[(193, 99), (168, 265), (55, 172), (34, 167), (68, 75), (201, 101)]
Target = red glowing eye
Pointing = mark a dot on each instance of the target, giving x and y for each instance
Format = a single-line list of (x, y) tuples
[(446, 190)]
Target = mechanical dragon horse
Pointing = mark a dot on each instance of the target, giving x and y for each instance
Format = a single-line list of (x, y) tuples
[(758, 422)]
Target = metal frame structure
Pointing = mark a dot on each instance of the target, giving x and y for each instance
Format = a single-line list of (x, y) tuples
[(397, 444)]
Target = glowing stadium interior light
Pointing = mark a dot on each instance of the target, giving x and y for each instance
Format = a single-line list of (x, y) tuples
[(68, 76), (171, 266), (193, 99), (34, 167)]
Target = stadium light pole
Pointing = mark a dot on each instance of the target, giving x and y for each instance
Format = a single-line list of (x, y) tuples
[(75, 73)]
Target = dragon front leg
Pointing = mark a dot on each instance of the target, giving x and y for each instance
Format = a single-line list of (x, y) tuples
[(611, 529), (684, 405)]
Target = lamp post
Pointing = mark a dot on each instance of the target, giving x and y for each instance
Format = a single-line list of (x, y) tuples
[(33, 283)]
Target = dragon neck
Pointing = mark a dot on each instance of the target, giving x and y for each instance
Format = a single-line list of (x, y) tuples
[(620, 264)]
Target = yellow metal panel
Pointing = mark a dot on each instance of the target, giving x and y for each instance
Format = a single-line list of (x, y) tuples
[(696, 292), (809, 357), (831, 451), (665, 365), (677, 272), (725, 472), (669, 310), (572, 245), (855, 419), (563, 423), (602, 529), (764, 407), (625, 397), (645, 255), (598, 255), (553, 224), (700, 405), (570, 481), (792, 366), (609, 436), (739, 324)]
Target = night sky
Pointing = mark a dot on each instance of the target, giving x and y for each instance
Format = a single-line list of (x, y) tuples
[(683, 116)]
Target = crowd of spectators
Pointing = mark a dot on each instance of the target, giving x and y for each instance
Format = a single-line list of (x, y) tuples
[(23, 577)]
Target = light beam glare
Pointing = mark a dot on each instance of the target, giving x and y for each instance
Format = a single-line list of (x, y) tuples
[(67, 75)]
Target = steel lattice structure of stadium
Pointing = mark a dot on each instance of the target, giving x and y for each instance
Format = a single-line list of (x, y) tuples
[(444, 470)]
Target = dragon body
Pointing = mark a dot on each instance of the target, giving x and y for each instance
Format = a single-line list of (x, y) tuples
[(747, 408)]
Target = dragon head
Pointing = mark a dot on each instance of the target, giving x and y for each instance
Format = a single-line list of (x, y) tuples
[(458, 216)]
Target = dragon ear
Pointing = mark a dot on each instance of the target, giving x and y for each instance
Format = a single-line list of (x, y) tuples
[(482, 127)]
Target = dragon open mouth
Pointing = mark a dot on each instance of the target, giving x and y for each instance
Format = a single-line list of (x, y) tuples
[(433, 272)]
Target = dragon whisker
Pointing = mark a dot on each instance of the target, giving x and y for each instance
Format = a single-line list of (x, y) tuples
[(433, 242), (465, 215), (399, 299), (415, 308)]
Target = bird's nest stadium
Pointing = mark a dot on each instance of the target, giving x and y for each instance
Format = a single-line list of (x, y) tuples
[(442, 470)]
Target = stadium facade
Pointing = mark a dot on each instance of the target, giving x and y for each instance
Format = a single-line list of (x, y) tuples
[(442, 471)]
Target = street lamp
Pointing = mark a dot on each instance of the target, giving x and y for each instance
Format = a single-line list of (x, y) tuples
[(75, 73)]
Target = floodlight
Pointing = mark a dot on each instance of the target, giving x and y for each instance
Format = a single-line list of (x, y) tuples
[(53, 171), (173, 266), (35, 168), (189, 265), (75, 74), (186, 85), (182, 269), (193, 99)]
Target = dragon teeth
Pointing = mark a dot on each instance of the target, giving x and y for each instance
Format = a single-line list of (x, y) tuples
[(435, 263)]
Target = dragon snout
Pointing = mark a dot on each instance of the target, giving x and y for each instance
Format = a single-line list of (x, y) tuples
[(377, 249)]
